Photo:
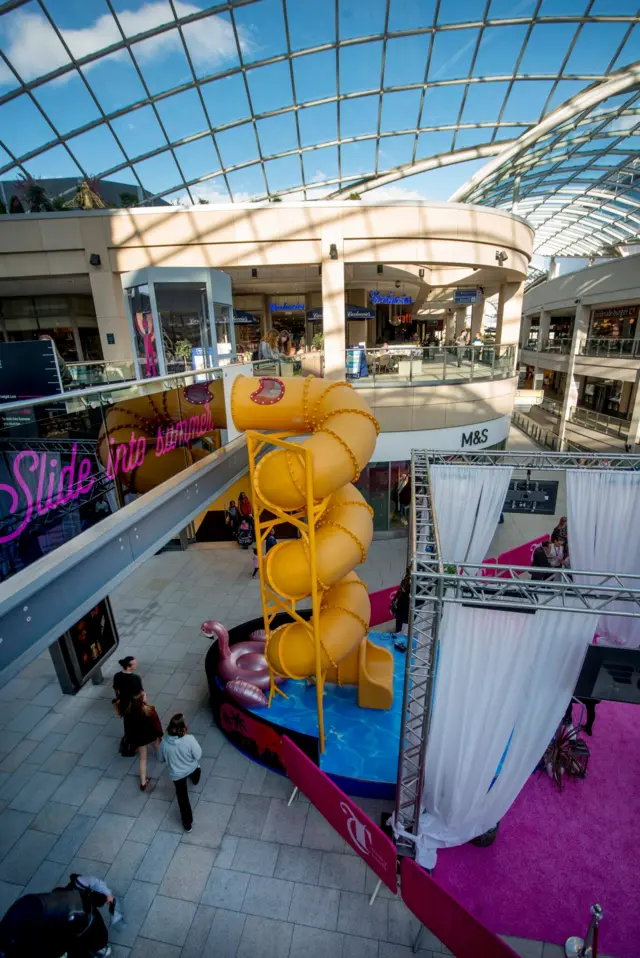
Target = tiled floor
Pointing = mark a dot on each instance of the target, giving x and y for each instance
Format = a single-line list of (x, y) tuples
[(253, 877)]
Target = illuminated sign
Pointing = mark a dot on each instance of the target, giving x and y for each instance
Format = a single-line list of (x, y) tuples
[(51, 486), (280, 307), (378, 299)]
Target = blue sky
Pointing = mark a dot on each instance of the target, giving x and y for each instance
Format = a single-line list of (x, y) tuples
[(112, 84)]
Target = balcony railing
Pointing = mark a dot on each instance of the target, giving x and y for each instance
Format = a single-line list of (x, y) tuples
[(629, 348), (560, 346), (600, 422), (428, 365), (100, 372)]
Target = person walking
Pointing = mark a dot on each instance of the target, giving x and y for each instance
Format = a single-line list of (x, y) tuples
[(182, 755), (126, 683), (142, 727)]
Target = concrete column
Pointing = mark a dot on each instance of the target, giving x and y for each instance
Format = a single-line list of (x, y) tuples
[(509, 313), (449, 327), (106, 288), (571, 389), (543, 328), (461, 319), (634, 428), (525, 330), (477, 318), (333, 303)]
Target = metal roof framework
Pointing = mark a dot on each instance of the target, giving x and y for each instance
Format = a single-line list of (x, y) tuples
[(434, 583), (489, 136), (576, 176)]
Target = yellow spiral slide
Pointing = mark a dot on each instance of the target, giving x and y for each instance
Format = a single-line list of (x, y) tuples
[(342, 438)]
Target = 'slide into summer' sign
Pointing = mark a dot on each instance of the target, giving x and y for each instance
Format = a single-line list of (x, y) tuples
[(380, 299)]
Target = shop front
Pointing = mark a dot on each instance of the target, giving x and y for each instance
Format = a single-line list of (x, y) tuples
[(395, 322), (179, 319), (608, 396), (288, 313), (614, 323)]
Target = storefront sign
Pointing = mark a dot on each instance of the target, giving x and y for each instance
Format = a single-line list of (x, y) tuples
[(285, 307), (347, 818), (466, 297), (380, 299), (350, 312), (615, 312), (446, 918)]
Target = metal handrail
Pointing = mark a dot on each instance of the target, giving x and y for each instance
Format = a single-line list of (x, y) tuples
[(600, 421), (486, 361), (606, 346), (107, 387)]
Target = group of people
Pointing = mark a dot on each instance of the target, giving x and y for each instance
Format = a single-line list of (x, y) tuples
[(239, 519), (551, 554), (280, 345), (142, 727)]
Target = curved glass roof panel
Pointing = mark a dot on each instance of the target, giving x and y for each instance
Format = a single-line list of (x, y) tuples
[(231, 101)]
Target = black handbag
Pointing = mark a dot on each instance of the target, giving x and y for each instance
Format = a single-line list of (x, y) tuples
[(127, 750)]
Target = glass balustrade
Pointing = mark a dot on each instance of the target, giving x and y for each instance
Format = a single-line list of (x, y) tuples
[(428, 365)]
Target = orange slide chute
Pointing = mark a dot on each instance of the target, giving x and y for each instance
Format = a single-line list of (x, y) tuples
[(342, 438)]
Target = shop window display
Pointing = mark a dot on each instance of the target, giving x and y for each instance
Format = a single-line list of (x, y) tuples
[(182, 309)]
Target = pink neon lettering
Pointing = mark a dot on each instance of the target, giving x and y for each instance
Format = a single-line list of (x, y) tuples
[(51, 484), (67, 472), (13, 495), (85, 479)]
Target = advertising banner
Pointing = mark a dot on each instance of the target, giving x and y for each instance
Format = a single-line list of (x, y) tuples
[(347, 818), (446, 918)]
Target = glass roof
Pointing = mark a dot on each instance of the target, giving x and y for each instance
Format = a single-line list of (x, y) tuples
[(249, 99)]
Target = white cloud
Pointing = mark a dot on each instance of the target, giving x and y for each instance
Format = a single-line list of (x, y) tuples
[(34, 49), (393, 194)]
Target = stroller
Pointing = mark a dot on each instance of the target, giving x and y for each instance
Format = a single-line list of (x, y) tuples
[(245, 534)]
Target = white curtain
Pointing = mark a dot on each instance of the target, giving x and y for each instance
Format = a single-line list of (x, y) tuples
[(604, 536), (504, 678), (467, 502)]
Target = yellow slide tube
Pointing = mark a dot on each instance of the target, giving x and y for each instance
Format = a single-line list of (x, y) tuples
[(343, 437), (344, 434)]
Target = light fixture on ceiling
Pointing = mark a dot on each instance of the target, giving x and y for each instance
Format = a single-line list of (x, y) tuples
[(421, 273), (333, 251), (94, 260)]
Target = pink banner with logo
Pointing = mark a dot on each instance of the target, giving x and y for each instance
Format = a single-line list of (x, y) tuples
[(381, 605), (364, 836), (520, 555), (446, 918)]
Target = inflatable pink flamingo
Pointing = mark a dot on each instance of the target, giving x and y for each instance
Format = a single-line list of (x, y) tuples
[(242, 667)]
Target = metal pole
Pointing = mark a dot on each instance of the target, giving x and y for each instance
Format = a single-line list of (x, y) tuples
[(576, 947)]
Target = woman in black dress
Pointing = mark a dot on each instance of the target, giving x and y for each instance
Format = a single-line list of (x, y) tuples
[(126, 684), (142, 727)]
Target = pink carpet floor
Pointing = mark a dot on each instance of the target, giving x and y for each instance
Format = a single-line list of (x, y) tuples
[(559, 852)]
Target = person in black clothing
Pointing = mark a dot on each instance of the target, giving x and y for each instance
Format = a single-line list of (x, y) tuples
[(126, 684), (54, 924), (541, 560), (400, 601), (142, 727), (270, 541), (560, 532)]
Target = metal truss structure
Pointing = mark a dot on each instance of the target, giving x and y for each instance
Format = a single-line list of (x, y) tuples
[(434, 584), (386, 91)]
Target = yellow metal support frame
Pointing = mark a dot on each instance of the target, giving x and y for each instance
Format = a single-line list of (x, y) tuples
[(304, 520)]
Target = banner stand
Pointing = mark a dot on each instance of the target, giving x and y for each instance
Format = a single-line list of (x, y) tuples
[(353, 824)]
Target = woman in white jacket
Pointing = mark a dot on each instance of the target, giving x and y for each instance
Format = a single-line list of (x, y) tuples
[(182, 753)]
